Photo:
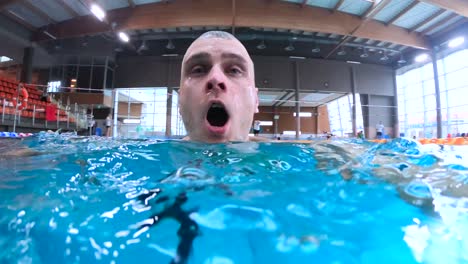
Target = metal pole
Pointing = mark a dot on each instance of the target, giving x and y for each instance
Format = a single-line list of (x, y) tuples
[(116, 110), (396, 119), (92, 118), (58, 115), (16, 108), (437, 93), (104, 82), (34, 115), (91, 74), (68, 119), (298, 107), (3, 110), (168, 112), (353, 107), (275, 113), (78, 71), (77, 115), (67, 109)]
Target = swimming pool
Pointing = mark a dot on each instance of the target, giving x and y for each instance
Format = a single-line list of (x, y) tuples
[(98, 200)]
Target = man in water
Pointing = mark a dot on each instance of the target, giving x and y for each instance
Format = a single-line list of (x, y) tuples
[(380, 129), (108, 125), (256, 127), (218, 97)]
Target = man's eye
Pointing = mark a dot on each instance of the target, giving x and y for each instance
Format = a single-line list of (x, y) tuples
[(197, 70), (234, 70)]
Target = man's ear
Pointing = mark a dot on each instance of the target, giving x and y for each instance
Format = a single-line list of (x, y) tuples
[(256, 100)]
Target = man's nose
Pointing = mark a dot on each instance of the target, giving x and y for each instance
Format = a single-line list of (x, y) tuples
[(216, 80)]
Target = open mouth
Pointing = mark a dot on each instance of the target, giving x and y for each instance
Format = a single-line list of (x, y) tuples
[(217, 115)]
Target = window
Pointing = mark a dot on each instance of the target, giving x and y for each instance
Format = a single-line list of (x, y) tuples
[(340, 115), (4, 59), (53, 87), (417, 101)]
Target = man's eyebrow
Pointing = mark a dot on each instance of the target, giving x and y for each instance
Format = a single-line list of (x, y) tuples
[(202, 56), (233, 56)]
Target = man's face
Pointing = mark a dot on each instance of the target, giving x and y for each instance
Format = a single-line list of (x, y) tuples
[(217, 97)]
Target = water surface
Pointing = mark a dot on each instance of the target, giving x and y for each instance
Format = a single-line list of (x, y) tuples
[(95, 200)]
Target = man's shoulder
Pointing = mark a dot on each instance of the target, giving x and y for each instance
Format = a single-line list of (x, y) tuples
[(259, 139)]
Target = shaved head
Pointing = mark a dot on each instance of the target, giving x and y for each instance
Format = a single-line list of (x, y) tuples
[(218, 97)]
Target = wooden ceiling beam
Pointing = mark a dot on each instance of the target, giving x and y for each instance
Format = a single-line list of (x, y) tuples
[(18, 20), (427, 20), (403, 12), (438, 24), (450, 28), (457, 6), (368, 15), (337, 6), (375, 8), (5, 3), (68, 8), (38, 12), (233, 24), (275, 14)]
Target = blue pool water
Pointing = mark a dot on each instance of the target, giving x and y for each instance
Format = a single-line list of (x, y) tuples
[(71, 199)]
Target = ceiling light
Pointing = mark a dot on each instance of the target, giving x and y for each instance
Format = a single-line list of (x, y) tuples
[(342, 52), (421, 58), (297, 57), (57, 45), (384, 57), (290, 47), (170, 45), (456, 42), (131, 121), (401, 60), (353, 62), (84, 43), (316, 48), (143, 46), (4, 59), (364, 54), (261, 45), (50, 35), (124, 37), (98, 12)]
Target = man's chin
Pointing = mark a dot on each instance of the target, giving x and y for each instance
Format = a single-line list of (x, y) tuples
[(216, 138)]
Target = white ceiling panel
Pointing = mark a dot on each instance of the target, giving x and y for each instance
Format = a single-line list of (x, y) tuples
[(269, 98), (313, 99)]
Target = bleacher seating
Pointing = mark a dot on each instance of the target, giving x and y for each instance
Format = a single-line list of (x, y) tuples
[(37, 107)]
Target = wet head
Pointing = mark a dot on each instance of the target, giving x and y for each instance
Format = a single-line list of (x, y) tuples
[(217, 97)]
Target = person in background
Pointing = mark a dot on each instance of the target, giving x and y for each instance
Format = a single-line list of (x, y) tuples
[(256, 127), (217, 96), (108, 125), (44, 96), (360, 134), (379, 129)]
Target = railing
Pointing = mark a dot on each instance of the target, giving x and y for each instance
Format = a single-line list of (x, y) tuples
[(39, 112)]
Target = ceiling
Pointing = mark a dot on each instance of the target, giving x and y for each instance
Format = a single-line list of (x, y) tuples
[(382, 29), (384, 32), (288, 99)]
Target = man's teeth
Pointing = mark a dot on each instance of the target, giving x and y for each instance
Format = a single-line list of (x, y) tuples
[(217, 106)]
